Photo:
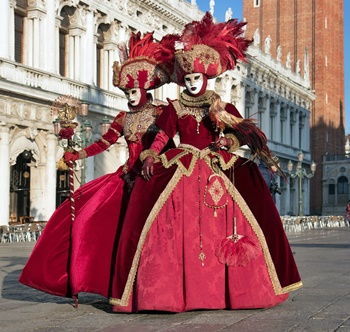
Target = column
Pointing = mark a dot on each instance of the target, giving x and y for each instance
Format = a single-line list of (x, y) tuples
[(71, 57), (104, 71), (50, 33), (89, 50), (77, 57), (36, 44), (240, 101), (5, 175), (51, 174), (29, 41), (56, 50)]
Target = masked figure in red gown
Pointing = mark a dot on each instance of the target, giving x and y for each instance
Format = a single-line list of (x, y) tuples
[(206, 233), (72, 257)]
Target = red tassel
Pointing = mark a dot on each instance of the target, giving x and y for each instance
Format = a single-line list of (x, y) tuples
[(237, 250)]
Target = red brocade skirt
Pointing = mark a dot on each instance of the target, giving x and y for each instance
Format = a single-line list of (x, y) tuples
[(175, 252), (78, 257)]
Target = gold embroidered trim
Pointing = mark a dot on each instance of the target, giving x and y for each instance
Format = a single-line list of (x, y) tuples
[(82, 154), (292, 287), (245, 211), (155, 211), (120, 120), (148, 153), (235, 143), (138, 122), (105, 142), (203, 54), (146, 106), (197, 154), (205, 99), (235, 194), (115, 131)]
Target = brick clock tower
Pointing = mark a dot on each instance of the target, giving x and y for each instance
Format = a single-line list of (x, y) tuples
[(318, 26)]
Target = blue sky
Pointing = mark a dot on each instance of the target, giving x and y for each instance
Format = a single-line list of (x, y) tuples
[(236, 5)]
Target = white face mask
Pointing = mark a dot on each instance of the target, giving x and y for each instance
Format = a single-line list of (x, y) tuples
[(194, 83), (133, 96)]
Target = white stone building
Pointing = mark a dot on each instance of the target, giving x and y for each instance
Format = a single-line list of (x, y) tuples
[(54, 48)]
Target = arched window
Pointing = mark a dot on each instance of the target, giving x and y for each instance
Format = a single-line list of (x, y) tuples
[(342, 185)]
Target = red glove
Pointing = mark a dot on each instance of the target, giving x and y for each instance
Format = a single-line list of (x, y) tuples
[(147, 168), (220, 143), (70, 156)]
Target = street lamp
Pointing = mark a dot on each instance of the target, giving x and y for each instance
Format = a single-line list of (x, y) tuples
[(67, 109), (300, 172)]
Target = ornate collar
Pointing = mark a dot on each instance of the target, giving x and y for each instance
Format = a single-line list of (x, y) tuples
[(137, 109), (205, 99)]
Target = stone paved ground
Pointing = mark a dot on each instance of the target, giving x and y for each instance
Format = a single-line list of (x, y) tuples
[(323, 304)]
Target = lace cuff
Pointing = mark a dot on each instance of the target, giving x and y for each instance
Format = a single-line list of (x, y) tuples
[(148, 153), (234, 142)]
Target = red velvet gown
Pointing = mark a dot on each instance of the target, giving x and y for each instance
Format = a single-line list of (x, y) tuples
[(170, 256), (78, 257)]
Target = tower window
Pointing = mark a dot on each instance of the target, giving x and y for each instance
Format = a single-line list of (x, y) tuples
[(256, 3)]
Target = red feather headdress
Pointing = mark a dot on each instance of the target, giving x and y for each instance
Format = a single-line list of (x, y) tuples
[(146, 64), (210, 48)]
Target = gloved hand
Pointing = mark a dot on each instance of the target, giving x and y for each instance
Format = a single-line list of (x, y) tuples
[(70, 156), (220, 143), (147, 168)]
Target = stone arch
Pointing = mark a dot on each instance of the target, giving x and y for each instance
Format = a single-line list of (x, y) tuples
[(24, 140)]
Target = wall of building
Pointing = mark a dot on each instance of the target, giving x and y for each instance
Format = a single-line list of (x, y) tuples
[(35, 75), (293, 27)]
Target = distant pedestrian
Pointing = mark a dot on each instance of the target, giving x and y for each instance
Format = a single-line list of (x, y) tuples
[(269, 172), (348, 212)]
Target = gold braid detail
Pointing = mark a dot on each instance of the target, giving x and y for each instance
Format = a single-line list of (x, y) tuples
[(148, 153), (234, 146), (235, 194), (148, 224)]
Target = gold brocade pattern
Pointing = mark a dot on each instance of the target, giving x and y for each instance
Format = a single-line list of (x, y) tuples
[(155, 211), (204, 54), (137, 123), (196, 112), (234, 193), (216, 191), (120, 119), (204, 100), (235, 143), (132, 68), (105, 142)]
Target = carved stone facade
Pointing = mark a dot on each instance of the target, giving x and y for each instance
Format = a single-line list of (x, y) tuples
[(57, 47)]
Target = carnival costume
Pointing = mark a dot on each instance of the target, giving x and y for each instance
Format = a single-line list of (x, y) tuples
[(73, 257), (207, 235)]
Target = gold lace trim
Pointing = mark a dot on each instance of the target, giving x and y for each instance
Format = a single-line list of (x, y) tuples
[(155, 211), (235, 143), (234, 193), (148, 153), (292, 287), (137, 123), (105, 142), (205, 99), (115, 131), (259, 233)]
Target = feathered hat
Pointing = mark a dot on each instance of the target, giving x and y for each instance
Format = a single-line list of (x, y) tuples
[(209, 48), (145, 63)]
